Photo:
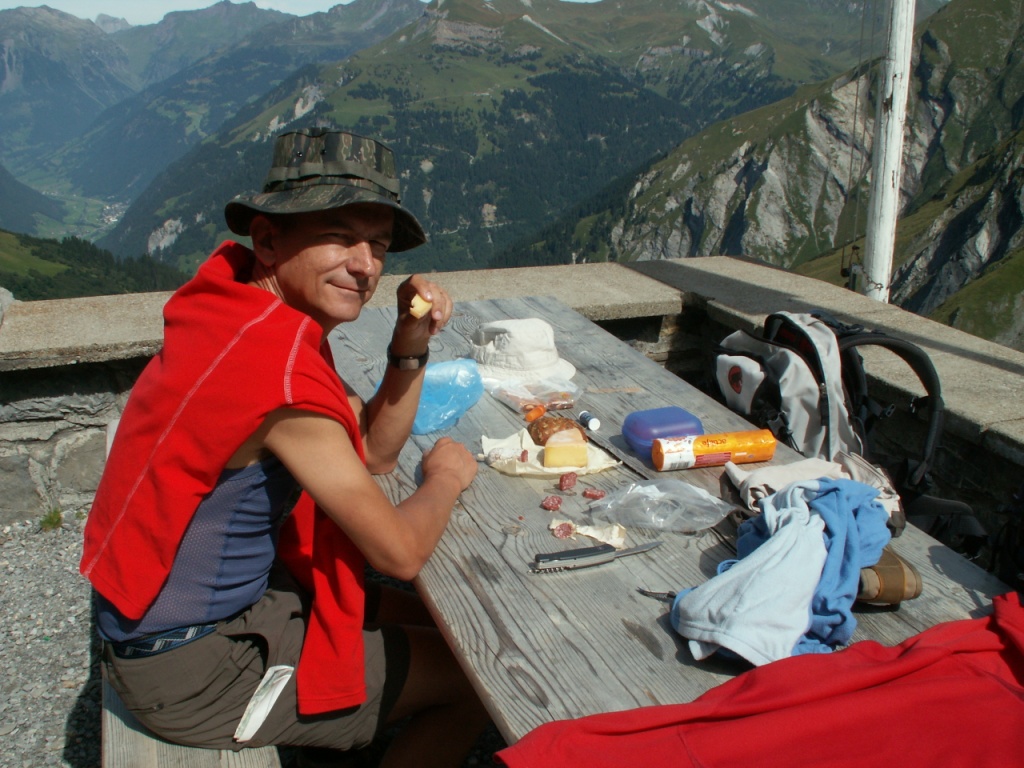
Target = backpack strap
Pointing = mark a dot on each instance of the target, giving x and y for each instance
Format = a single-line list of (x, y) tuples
[(921, 364)]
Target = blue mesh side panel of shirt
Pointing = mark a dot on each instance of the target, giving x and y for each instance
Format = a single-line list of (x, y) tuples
[(224, 560)]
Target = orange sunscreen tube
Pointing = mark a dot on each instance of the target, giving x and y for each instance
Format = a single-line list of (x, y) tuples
[(712, 450)]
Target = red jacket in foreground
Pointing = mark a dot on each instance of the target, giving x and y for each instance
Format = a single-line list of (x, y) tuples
[(950, 696)]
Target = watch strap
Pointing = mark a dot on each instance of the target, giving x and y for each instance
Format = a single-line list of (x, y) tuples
[(408, 362)]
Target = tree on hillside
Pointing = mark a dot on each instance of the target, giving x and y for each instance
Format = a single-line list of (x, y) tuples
[(87, 271)]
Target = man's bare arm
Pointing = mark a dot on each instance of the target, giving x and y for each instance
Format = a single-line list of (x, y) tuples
[(386, 419), (396, 539)]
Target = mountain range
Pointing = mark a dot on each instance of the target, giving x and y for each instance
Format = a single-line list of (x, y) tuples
[(505, 113), (540, 131), (789, 183)]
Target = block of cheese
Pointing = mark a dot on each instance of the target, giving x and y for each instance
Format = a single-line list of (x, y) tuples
[(565, 449), (568, 455), (419, 306)]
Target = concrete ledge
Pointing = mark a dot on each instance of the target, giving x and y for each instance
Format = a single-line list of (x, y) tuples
[(596, 291), (44, 334), (982, 382)]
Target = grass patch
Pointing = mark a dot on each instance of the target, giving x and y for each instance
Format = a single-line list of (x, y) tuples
[(52, 520), (18, 259), (987, 306)]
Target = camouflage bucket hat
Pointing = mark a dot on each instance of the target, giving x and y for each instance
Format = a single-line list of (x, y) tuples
[(317, 169)]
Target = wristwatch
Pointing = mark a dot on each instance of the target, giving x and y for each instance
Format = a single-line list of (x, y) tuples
[(409, 363)]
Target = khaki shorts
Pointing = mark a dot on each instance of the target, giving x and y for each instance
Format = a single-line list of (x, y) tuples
[(195, 694)]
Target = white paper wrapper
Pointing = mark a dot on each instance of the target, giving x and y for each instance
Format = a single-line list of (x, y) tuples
[(513, 446), (612, 533)]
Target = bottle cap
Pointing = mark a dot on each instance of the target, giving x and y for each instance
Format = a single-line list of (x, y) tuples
[(588, 420)]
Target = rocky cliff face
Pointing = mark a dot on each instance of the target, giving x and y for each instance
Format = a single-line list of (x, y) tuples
[(980, 226), (774, 184), (111, 24), (790, 182)]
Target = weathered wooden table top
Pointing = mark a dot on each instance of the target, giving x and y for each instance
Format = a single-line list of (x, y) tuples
[(542, 647)]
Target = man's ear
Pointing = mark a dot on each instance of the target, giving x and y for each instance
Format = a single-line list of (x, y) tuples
[(263, 234)]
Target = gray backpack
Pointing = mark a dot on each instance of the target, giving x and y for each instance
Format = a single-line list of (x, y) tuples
[(804, 379)]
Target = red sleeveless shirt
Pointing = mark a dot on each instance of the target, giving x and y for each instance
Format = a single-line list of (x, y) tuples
[(232, 354)]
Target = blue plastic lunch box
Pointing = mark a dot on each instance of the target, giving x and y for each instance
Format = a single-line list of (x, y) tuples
[(642, 428)]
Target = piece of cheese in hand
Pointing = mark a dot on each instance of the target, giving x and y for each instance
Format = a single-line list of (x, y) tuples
[(565, 449), (419, 306)]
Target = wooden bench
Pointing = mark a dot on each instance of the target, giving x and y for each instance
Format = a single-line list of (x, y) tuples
[(127, 744)]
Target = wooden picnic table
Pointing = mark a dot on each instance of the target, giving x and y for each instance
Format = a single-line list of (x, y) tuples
[(549, 646)]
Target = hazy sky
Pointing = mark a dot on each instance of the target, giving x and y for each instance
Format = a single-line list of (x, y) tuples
[(151, 11)]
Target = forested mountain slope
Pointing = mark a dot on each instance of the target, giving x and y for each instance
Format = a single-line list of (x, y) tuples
[(505, 114), (133, 141)]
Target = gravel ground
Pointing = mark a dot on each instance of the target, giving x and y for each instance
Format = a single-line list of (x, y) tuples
[(50, 691)]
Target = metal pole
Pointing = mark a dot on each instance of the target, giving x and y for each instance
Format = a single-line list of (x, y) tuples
[(887, 153)]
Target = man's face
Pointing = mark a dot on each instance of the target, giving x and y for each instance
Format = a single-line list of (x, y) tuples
[(328, 263)]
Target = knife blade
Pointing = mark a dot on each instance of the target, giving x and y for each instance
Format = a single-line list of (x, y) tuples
[(628, 459), (583, 557)]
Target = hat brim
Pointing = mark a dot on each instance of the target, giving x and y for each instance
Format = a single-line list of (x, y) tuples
[(563, 369), (240, 211)]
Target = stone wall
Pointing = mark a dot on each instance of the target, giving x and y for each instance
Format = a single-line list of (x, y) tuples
[(53, 435)]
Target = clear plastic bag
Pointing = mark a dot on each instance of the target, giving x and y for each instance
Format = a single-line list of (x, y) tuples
[(523, 396), (667, 504), (450, 388)]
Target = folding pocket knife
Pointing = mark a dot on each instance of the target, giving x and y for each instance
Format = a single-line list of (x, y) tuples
[(585, 556)]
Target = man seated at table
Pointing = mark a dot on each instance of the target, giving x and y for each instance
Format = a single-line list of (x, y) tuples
[(241, 410)]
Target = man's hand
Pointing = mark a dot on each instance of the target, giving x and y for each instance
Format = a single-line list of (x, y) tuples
[(448, 456), (412, 333)]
